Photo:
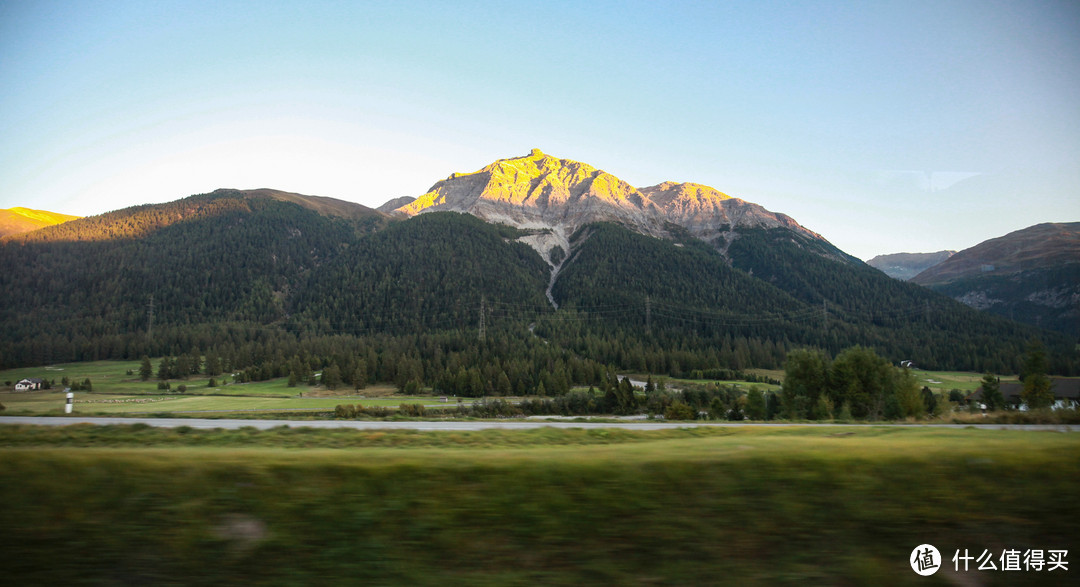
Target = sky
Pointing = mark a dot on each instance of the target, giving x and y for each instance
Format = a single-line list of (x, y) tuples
[(885, 126)]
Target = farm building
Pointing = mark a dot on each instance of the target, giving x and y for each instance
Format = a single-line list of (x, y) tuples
[(1066, 392), (28, 384)]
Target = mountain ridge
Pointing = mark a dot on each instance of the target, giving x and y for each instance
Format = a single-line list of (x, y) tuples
[(1031, 275), (539, 191), (117, 224), (321, 204), (907, 265), (1046, 243), (19, 220), (229, 269)]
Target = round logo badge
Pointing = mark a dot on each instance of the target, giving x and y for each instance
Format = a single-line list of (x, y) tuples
[(925, 560)]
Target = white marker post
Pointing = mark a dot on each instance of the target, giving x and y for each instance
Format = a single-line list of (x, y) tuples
[(70, 401)]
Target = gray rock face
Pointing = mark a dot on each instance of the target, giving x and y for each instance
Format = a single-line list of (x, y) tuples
[(539, 191)]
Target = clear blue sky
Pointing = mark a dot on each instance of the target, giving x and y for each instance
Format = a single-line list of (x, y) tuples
[(885, 126)]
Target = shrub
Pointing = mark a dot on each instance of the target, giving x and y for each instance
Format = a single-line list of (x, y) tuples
[(494, 408), (355, 411), (679, 410)]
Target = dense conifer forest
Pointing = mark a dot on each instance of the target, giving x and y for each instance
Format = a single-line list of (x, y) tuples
[(266, 287)]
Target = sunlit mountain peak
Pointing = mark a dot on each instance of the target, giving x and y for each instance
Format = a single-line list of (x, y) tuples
[(540, 191)]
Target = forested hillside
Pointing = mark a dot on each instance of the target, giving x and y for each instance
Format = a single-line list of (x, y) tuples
[(84, 289), (269, 286), (430, 273), (1030, 275), (773, 291), (1048, 297), (860, 305)]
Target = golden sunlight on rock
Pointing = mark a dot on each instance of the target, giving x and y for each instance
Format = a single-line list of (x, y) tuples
[(541, 191)]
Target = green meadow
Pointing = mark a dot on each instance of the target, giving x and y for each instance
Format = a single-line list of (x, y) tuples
[(749, 506), (946, 381), (52, 403), (111, 377), (115, 392), (940, 382)]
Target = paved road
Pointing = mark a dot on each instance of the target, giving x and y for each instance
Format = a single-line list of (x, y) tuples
[(451, 425)]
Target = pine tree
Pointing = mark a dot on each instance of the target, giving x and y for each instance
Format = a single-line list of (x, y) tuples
[(146, 370), (1037, 393), (991, 393), (182, 367), (331, 376), (755, 404), (502, 385)]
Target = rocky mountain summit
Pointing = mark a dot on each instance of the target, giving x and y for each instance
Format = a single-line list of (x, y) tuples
[(556, 196)]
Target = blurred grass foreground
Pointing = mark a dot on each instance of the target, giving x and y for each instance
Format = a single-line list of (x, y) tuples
[(120, 505)]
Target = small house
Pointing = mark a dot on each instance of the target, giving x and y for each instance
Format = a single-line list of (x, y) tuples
[(1066, 392), (28, 384)]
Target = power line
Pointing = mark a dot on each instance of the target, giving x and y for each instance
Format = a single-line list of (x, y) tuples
[(824, 317), (630, 311)]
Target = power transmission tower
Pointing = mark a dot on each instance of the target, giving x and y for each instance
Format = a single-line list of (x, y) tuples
[(482, 300), (150, 319)]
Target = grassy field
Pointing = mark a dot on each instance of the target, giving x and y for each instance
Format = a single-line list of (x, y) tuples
[(52, 403), (111, 377), (945, 381), (753, 506), (116, 392), (678, 383), (937, 381)]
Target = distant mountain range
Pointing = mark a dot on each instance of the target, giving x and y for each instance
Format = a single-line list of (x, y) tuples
[(1031, 275), (667, 278), (907, 265), (20, 220)]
